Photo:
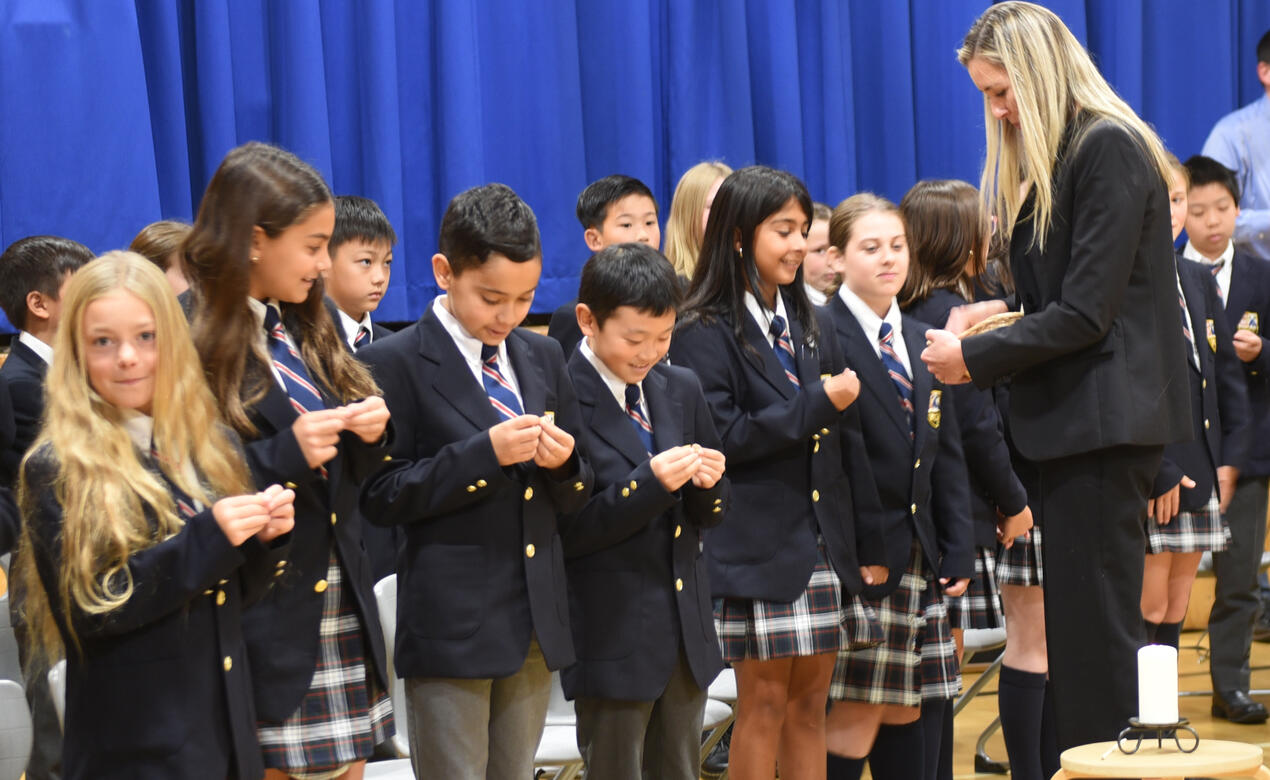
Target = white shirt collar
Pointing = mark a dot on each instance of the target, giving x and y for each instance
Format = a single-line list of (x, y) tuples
[(1223, 274), (140, 428), (352, 326), (816, 297), (38, 347), (611, 380), (763, 317), (871, 323), (470, 347)]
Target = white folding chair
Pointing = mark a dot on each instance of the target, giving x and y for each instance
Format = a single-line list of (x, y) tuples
[(557, 753), (15, 731), (398, 769)]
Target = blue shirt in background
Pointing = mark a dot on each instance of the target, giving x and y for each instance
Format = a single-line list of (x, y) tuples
[(1241, 141)]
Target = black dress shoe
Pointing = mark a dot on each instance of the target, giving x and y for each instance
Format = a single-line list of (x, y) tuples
[(1238, 707)]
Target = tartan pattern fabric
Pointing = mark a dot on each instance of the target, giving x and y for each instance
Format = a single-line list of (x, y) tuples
[(783, 345), (501, 395), (344, 714), (635, 410), (756, 629), (1201, 531), (913, 658), (1021, 564), (895, 369), (980, 605)]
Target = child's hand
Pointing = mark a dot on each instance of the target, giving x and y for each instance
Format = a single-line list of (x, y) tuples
[(1247, 345), (241, 517), (713, 464), (1014, 526), (555, 445), (281, 505), (943, 357), (957, 587), (842, 389), (367, 418), (318, 433), (1227, 477), (1165, 507), (874, 575), (516, 440), (675, 466)]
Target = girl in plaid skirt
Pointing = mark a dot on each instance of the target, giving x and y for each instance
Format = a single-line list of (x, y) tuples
[(910, 428), (1197, 478), (785, 557)]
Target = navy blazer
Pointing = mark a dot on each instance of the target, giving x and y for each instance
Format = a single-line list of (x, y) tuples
[(638, 588), (23, 373), (482, 566), (1250, 292), (785, 462), (1096, 361), (10, 519), (160, 687), (993, 483), (921, 480), (282, 630), (563, 327), (1219, 396), (377, 331)]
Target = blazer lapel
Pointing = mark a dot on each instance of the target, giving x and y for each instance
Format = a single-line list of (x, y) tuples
[(915, 342), (452, 378), (1238, 291), (605, 418), (276, 406), (666, 412), (529, 374), (763, 357), (1199, 327), (27, 355), (806, 358), (868, 366)]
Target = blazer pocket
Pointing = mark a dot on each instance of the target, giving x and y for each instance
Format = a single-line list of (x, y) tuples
[(445, 591), (119, 698), (612, 614)]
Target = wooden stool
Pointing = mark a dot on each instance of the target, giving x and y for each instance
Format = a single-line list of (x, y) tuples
[(1213, 758)]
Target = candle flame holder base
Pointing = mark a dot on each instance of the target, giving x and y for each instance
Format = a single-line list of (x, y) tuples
[(1180, 733)]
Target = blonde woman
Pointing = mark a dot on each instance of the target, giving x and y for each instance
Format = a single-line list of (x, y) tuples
[(1099, 383), (142, 542), (689, 211)]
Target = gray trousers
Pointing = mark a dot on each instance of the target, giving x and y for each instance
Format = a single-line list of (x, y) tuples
[(485, 729), (649, 740), (1236, 603)]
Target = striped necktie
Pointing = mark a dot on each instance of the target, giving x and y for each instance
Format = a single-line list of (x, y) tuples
[(501, 395), (362, 338), (784, 348), (635, 410), (303, 393), (1215, 266), (899, 376), (1186, 324)]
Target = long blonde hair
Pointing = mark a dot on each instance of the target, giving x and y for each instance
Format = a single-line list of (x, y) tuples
[(112, 505), (1052, 78), (683, 227)]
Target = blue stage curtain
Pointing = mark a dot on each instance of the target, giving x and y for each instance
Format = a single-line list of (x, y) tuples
[(116, 112)]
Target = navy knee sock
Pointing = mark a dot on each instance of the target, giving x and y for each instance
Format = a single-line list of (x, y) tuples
[(1021, 702), (843, 768), (1152, 629), (897, 753), (937, 738), (1168, 634), (1049, 733)]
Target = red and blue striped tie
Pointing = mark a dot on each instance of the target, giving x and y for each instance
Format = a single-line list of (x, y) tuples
[(501, 395), (362, 338), (303, 393), (899, 376), (635, 410), (784, 347)]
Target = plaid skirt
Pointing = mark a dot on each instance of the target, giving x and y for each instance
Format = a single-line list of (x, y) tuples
[(1021, 564), (344, 714), (980, 605), (1200, 531), (917, 658), (761, 630)]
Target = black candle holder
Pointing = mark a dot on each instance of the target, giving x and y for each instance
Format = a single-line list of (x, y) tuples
[(1161, 732)]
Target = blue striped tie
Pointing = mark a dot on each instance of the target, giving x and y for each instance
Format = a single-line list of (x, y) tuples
[(501, 395), (635, 410), (899, 377), (784, 348), (362, 338), (303, 393)]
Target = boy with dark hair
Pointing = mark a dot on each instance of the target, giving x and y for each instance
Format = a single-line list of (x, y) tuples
[(361, 262), (483, 464), (639, 592), (612, 210), (1243, 281)]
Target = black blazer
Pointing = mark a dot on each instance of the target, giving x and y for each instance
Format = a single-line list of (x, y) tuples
[(993, 484), (1219, 396), (1096, 361), (1250, 292), (23, 373), (161, 686), (10, 519), (921, 481), (282, 630), (638, 588), (563, 327), (482, 564), (785, 456)]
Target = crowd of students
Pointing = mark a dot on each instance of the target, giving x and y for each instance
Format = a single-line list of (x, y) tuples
[(732, 453)]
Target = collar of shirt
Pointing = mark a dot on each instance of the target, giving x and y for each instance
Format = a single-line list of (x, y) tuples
[(615, 385), (258, 308), (763, 317), (44, 351), (470, 347), (140, 428), (816, 297), (1223, 274), (351, 326), (871, 323)]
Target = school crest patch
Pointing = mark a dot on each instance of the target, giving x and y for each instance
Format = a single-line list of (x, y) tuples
[(932, 409), (1211, 332), (1250, 321)]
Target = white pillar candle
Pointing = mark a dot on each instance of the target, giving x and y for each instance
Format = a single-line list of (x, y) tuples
[(1157, 684)]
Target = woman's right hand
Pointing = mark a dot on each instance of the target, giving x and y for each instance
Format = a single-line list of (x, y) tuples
[(241, 517), (842, 388), (318, 433)]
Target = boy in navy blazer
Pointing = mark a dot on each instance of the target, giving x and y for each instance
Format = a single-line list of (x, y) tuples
[(1244, 284), (639, 592), (483, 463)]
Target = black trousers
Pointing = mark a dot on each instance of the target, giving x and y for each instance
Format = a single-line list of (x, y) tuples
[(1237, 596), (1092, 514)]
